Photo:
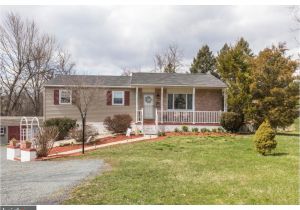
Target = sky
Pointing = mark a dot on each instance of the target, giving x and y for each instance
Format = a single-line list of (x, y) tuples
[(106, 39)]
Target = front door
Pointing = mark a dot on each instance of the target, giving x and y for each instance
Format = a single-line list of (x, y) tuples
[(148, 106)]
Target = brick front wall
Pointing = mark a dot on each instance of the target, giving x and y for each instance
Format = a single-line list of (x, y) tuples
[(209, 100)]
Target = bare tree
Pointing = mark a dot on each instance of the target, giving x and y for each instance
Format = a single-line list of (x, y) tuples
[(126, 71), (82, 98), (16, 41), (169, 60), (27, 60)]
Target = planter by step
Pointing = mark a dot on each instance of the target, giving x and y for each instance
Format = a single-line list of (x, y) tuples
[(13, 152), (28, 155)]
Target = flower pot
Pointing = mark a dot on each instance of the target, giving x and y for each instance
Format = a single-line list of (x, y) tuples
[(25, 145), (13, 143)]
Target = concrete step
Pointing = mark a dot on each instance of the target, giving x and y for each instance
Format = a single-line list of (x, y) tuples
[(149, 129)]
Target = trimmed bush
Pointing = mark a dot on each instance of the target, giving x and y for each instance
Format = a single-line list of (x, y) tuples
[(214, 130), (185, 128), (220, 130), (231, 121), (264, 138), (196, 130), (64, 125), (76, 133), (161, 133), (204, 130), (118, 124), (176, 130)]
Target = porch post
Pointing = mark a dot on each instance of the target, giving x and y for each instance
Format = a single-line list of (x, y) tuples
[(194, 92), (225, 100), (161, 104), (136, 104)]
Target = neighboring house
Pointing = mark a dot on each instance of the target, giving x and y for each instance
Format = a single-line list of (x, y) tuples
[(10, 128), (156, 101)]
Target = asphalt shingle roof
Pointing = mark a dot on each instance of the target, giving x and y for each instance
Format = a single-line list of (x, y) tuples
[(176, 79), (140, 79), (90, 80)]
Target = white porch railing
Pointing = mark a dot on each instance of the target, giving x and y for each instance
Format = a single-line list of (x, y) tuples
[(175, 116)]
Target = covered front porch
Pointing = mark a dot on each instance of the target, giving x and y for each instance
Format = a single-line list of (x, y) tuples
[(180, 105)]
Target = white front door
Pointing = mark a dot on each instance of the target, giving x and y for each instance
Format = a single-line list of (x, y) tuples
[(148, 106)]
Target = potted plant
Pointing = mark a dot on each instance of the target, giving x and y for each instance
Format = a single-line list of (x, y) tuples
[(25, 144), (13, 142)]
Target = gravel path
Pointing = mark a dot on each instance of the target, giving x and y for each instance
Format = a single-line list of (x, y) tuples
[(42, 182)]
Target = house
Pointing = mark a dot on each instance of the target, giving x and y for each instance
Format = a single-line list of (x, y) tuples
[(156, 101), (10, 127)]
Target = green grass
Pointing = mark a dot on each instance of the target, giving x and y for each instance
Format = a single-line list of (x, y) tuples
[(194, 170)]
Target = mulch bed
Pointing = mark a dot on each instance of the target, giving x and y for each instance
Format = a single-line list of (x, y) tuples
[(105, 140), (121, 138)]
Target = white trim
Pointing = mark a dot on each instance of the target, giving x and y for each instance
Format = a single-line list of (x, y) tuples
[(136, 85), (193, 106), (112, 97), (70, 91), (161, 103), (136, 103)]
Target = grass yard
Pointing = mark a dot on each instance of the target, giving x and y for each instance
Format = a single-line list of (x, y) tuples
[(194, 170)]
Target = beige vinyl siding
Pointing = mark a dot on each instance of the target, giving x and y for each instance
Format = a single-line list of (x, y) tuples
[(98, 111)]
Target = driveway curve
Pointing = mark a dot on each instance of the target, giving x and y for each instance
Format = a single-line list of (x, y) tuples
[(42, 182)]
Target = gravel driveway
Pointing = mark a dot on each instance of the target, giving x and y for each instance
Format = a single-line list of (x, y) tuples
[(42, 182)]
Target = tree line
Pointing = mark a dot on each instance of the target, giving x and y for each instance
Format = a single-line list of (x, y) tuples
[(28, 58), (259, 87)]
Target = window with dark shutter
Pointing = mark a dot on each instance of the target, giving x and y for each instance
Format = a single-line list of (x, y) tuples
[(127, 98)]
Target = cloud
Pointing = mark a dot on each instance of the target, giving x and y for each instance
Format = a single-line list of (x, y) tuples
[(104, 39)]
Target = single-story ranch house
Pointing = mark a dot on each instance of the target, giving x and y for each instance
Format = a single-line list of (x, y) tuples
[(156, 101)]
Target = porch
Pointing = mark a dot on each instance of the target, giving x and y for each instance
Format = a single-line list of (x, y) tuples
[(179, 105)]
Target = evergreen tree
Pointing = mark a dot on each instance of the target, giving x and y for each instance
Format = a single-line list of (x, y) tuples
[(204, 62), (234, 64), (274, 94)]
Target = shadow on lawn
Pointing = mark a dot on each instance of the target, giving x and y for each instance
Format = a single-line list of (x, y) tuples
[(279, 154), (288, 134)]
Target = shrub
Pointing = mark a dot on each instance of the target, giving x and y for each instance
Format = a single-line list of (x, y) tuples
[(64, 125), (45, 140), (176, 130), (76, 133), (214, 130), (195, 130), (231, 121), (185, 128), (204, 130), (220, 130), (161, 133), (118, 124), (264, 138)]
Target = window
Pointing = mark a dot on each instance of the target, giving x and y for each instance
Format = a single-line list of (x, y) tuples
[(2, 130), (180, 101), (118, 97), (65, 96)]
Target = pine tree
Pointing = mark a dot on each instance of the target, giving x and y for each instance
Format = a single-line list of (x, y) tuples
[(274, 94), (234, 64), (204, 62), (264, 138)]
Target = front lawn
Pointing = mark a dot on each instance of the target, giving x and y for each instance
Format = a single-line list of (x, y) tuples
[(194, 170)]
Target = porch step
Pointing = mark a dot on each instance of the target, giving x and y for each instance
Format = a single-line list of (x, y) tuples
[(149, 129)]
